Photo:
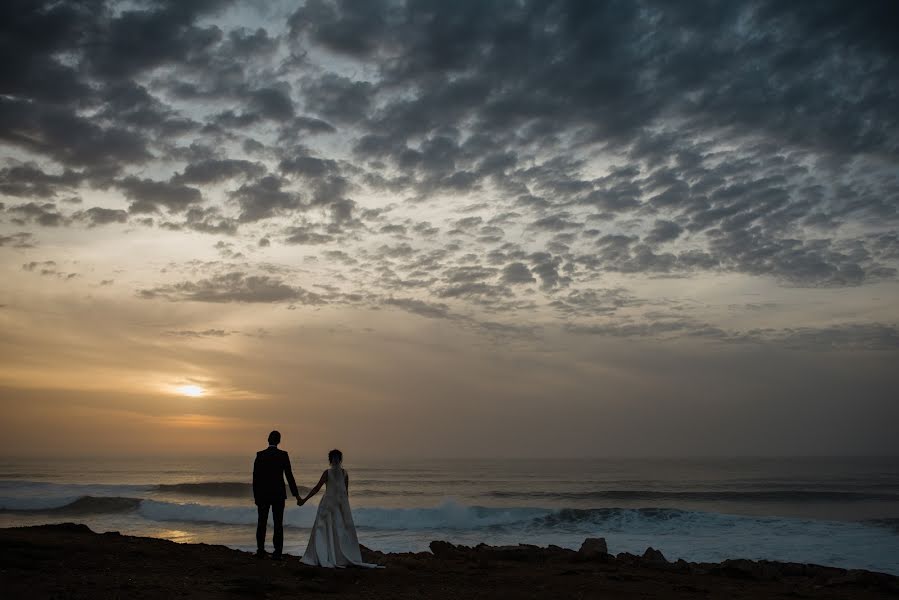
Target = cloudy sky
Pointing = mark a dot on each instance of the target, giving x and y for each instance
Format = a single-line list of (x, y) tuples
[(458, 228)]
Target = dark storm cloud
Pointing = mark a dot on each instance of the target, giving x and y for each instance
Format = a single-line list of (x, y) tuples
[(557, 222), (148, 196), (468, 274), (70, 139), (546, 267), (234, 287), (306, 235), (664, 231), (272, 103), (637, 138), (157, 33), (246, 43), (264, 198), (299, 126), (430, 310), (585, 303), (517, 273), (558, 67), (97, 215), (209, 220), (22, 239), (28, 180), (354, 29), (42, 214), (133, 106), (304, 165), (217, 170), (338, 99)]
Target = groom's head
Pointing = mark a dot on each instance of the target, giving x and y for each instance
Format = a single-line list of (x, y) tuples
[(274, 438)]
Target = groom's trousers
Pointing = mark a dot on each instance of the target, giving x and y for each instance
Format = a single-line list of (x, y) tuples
[(278, 517)]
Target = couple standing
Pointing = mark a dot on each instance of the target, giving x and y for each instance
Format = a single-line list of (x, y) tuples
[(333, 541)]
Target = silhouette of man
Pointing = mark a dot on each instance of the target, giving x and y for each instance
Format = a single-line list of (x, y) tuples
[(269, 469)]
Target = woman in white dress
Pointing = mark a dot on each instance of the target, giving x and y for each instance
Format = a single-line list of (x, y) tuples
[(333, 541)]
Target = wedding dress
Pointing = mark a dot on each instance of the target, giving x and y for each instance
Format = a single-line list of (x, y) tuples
[(333, 541)]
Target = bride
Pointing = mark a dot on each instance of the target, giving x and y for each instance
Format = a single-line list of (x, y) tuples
[(333, 541)]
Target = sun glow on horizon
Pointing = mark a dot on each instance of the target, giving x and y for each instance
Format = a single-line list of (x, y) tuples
[(193, 391)]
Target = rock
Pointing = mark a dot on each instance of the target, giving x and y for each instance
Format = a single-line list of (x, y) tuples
[(593, 548), (483, 555), (866, 579), (653, 555), (747, 569), (519, 553), (66, 527), (371, 556), (444, 549)]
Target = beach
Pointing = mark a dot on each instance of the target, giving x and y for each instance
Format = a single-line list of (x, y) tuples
[(71, 561)]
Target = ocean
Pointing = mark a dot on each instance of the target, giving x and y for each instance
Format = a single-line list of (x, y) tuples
[(842, 512)]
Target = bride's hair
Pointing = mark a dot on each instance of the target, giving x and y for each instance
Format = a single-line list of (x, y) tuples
[(335, 457)]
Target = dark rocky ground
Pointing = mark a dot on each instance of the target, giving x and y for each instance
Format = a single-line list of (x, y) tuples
[(70, 561)]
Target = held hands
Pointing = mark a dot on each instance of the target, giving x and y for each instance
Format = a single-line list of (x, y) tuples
[(300, 501)]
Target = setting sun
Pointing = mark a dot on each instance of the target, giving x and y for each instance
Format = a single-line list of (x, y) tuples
[(194, 391)]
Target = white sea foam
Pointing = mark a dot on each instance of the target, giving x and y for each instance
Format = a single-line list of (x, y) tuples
[(691, 535)]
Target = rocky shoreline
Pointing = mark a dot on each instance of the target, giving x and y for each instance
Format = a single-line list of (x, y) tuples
[(71, 561)]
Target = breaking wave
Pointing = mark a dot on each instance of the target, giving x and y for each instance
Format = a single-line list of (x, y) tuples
[(449, 516), (85, 505), (708, 496)]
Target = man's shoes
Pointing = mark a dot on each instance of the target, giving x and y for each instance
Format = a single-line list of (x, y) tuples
[(276, 556), (261, 554)]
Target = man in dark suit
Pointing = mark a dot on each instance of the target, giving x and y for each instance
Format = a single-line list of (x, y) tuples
[(269, 469)]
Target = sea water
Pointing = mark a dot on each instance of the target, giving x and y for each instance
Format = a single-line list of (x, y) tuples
[(841, 512)]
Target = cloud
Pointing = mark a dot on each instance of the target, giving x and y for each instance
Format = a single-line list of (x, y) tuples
[(661, 328), (45, 265), (218, 170), (97, 215), (43, 214), (148, 196), (664, 231), (272, 103), (842, 337), (206, 333), (234, 287), (546, 267), (137, 40), (517, 273), (29, 181), (264, 198), (21, 239), (338, 99), (492, 147), (306, 235), (430, 310), (67, 138), (591, 302)]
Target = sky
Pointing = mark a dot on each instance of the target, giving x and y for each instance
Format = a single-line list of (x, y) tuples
[(449, 229)]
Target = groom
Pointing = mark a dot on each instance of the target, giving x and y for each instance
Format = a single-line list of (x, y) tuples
[(268, 491)]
